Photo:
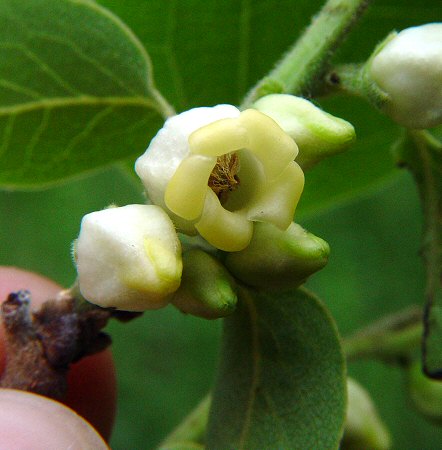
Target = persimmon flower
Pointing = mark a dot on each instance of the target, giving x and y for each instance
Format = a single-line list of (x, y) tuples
[(217, 170)]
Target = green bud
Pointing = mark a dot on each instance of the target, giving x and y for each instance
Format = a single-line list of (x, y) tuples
[(363, 427), (425, 393), (317, 133), (278, 259), (207, 289)]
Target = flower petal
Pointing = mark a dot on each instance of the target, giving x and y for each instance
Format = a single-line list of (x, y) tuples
[(170, 146), (276, 203), (271, 145), (223, 229), (218, 138), (187, 189)]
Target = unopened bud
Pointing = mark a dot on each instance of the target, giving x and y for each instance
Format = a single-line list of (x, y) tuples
[(408, 68), (364, 428), (278, 259), (207, 289), (128, 258), (425, 393), (317, 133)]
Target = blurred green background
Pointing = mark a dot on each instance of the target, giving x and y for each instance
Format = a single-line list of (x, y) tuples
[(366, 209)]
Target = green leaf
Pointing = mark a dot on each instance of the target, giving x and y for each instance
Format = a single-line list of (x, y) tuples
[(76, 91), (421, 152), (281, 382)]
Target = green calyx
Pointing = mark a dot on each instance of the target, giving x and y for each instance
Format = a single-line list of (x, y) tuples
[(278, 259), (207, 289), (317, 133)]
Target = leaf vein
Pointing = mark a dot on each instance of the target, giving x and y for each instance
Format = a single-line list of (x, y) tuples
[(171, 56), (94, 63), (7, 133), (87, 130), (39, 130), (42, 65), (256, 369), (82, 100), (20, 89), (273, 410), (244, 46)]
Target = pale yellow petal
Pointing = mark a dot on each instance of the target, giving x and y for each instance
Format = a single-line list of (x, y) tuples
[(223, 229), (271, 145), (218, 138), (187, 188), (276, 202)]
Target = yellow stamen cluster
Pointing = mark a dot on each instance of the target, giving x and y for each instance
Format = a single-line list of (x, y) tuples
[(224, 178)]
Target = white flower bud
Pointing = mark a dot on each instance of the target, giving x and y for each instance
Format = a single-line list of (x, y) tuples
[(217, 170), (128, 258), (408, 68)]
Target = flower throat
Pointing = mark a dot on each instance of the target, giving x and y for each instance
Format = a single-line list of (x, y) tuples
[(224, 178)]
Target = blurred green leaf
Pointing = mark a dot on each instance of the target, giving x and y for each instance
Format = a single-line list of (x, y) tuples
[(76, 91), (364, 167), (281, 382)]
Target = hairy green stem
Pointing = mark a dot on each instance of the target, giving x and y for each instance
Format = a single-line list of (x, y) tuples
[(304, 64), (355, 80), (192, 429), (390, 339)]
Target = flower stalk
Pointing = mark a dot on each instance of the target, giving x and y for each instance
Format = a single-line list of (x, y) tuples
[(300, 70), (391, 339)]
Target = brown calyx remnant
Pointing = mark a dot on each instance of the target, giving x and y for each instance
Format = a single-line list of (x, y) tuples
[(41, 345), (224, 178)]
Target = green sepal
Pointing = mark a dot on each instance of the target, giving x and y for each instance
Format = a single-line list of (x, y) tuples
[(207, 289), (278, 259)]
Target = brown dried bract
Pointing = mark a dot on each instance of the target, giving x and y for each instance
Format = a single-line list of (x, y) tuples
[(41, 345)]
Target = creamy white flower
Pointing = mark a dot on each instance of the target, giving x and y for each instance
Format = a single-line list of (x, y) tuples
[(409, 70), (128, 258), (217, 170)]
